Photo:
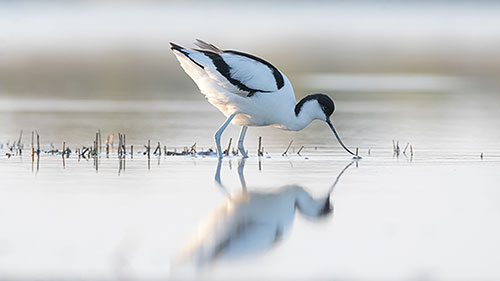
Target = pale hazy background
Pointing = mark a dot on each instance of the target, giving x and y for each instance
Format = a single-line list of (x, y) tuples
[(119, 49)]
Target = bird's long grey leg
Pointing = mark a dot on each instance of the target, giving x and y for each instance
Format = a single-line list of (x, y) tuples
[(241, 148), (220, 131)]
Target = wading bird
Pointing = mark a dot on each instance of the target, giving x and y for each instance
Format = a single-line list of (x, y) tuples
[(249, 91)]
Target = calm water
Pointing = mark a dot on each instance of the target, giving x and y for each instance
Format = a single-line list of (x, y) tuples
[(433, 216)]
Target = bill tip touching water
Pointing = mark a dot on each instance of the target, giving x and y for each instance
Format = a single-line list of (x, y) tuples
[(250, 91)]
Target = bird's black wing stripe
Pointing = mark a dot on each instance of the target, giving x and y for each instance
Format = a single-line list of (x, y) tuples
[(176, 47), (277, 75), (225, 70)]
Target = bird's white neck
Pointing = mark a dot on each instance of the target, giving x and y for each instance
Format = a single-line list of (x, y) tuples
[(299, 118)]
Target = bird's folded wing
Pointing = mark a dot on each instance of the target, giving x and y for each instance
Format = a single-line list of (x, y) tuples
[(239, 73), (250, 73)]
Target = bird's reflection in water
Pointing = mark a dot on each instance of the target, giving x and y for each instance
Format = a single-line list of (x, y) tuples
[(253, 222)]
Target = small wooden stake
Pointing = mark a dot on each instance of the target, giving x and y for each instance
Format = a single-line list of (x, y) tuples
[(119, 145), (20, 138), (95, 148), (259, 151), (228, 150), (38, 143), (156, 149), (62, 155), (404, 150), (100, 143), (298, 152), (287, 148), (32, 147)]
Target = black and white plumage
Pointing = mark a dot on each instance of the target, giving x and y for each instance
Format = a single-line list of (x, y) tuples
[(250, 91), (246, 74)]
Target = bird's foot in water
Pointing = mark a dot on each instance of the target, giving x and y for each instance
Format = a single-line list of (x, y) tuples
[(244, 154)]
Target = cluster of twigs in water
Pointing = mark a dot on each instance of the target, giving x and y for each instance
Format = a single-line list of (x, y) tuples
[(397, 150), (95, 149), (14, 148)]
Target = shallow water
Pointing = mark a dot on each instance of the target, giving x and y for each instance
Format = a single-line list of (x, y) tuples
[(432, 216)]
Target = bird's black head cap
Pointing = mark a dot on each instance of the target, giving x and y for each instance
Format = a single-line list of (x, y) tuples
[(324, 101)]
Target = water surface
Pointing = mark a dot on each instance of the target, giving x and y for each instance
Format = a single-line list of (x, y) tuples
[(432, 216)]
